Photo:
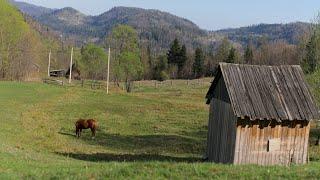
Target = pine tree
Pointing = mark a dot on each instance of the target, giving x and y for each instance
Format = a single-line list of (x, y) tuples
[(174, 52), (198, 65), (182, 59), (248, 55), (232, 55)]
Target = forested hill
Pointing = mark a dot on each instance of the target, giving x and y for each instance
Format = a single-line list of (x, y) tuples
[(31, 10), (156, 28), (288, 32), (21, 47)]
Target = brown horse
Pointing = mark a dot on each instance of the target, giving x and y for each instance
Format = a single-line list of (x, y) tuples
[(86, 124)]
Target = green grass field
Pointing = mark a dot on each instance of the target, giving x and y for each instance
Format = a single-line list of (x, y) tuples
[(148, 134)]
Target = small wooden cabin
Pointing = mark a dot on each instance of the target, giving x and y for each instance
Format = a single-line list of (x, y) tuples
[(259, 115)]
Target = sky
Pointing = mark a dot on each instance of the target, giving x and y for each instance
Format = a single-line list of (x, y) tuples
[(207, 14)]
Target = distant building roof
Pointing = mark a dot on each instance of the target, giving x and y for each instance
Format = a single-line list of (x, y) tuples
[(267, 92)]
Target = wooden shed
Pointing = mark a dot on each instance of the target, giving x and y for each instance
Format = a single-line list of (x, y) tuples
[(259, 115)]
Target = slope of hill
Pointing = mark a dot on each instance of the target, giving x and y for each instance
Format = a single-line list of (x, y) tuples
[(21, 47), (32, 10), (288, 32), (156, 28)]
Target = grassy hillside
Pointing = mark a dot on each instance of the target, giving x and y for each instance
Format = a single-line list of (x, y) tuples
[(151, 133)]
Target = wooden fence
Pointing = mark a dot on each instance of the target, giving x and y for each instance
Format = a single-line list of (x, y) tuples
[(205, 82), (54, 82)]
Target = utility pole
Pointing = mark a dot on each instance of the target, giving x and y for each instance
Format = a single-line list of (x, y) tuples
[(70, 66), (108, 71), (49, 63)]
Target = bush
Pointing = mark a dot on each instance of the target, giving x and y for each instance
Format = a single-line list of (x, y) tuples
[(163, 76)]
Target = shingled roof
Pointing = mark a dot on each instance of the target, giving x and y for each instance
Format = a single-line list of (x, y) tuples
[(266, 92)]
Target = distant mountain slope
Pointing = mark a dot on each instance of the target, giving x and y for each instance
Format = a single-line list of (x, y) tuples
[(30, 9), (155, 28), (288, 32)]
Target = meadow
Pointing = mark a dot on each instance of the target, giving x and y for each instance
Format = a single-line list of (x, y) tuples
[(152, 133)]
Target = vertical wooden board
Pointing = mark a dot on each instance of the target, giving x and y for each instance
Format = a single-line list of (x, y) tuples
[(215, 131), (284, 139), (294, 131), (221, 139), (305, 138), (301, 143), (259, 160), (226, 147), (209, 132), (306, 143), (251, 144), (238, 144), (223, 136), (255, 142), (266, 138), (298, 143), (246, 142), (233, 138), (241, 148)]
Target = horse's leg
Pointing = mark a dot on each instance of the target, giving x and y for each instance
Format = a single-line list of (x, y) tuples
[(80, 130), (93, 130)]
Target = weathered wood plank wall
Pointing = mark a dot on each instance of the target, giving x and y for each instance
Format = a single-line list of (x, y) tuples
[(252, 142), (221, 128)]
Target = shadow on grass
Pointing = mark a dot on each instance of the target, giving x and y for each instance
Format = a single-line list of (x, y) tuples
[(149, 143), (66, 134), (145, 144), (108, 157), (313, 136)]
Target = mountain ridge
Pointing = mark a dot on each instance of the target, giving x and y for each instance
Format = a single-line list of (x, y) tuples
[(157, 28)]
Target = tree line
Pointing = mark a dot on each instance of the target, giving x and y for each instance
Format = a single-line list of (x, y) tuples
[(24, 53), (130, 61)]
